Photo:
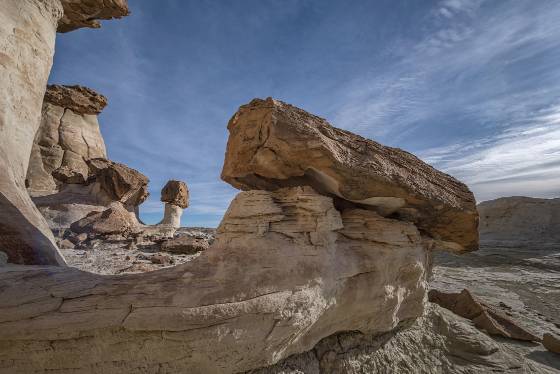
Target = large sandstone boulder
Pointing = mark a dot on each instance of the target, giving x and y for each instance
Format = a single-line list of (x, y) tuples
[(115, 220), (27, 36), (273, 144), (121, 183), (520, 221), (68, 136), (286, 270)]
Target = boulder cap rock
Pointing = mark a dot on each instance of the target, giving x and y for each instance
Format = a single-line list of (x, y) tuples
[(120, 182), (273, 144), (86, 13), (80, 99), (176, 193)]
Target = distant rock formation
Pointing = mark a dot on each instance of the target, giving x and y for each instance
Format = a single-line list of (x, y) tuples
[(520, 221), (273, 145), (175, 195)]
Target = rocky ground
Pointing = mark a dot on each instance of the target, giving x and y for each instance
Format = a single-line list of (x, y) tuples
[(121, 256), (523, 283)]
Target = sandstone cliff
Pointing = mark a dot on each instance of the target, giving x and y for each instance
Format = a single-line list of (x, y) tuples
[(27, 37), (520, 221)]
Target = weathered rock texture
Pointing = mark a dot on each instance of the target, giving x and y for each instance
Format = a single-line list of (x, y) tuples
[(520, 221), (27, 36), (69, 135), (286, 271), (86, 13), (484, 317), (114, 220), (176, 193), (273, 144), (121, 183), (438, 343)]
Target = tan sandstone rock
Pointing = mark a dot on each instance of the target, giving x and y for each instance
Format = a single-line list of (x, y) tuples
[(120, 182), (27, 36), (114, 220), (273, 144), (286, 270), (68, 136), (484, 317), (176, 193), (86, 13)]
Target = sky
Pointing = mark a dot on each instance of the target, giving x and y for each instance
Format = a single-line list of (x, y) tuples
[(470, 86)]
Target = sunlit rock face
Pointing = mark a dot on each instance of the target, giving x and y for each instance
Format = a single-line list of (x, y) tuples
[(27, 36), (273, 144), (286, 270), (68, 136), (69, 175), (175, 195)]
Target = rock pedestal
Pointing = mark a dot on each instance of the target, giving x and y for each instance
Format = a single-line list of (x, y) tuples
[(175, 195)]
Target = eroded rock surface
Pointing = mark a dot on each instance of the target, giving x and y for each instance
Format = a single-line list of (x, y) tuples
[(27, 36), (176, 193), (484, 317), (273, 144), (87, 13), (68, 136), (438, 343), (520, 222), (286, 270), (552, 343), (121, 183)]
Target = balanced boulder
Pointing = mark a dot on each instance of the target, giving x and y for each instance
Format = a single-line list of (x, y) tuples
[(273, 144)]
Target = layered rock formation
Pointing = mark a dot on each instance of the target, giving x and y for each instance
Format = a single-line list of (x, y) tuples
[(289, 267), (287, 270), (68, 137), (273, 144), (27, 36), (175, 195), (69, 175), (520, 221)]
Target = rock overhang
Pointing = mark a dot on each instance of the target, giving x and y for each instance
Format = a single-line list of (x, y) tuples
[(273, 144)]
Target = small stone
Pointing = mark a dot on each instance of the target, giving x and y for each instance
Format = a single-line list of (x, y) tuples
[(66, 244), (551, 342), (160, 259)]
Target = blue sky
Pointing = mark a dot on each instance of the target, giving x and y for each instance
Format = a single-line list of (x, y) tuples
[(470, 86)]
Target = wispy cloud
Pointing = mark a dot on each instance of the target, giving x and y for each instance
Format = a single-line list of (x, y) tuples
[(484, 82)]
